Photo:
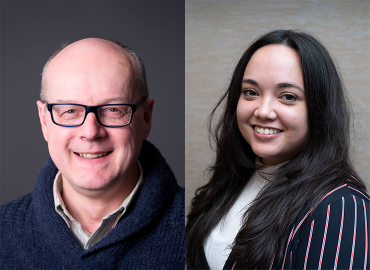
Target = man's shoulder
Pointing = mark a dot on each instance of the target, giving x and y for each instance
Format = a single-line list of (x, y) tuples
[(159, 186), (178, 203), (180, 196), (180, 192), (11, 213)]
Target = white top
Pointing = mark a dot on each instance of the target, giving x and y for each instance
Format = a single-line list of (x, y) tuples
[(86, 239), (218, 245)]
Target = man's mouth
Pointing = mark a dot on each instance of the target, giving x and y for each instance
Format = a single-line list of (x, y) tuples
[(92, 156), (266, 131)]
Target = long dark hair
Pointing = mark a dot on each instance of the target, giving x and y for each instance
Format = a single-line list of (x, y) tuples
[(304, 179)]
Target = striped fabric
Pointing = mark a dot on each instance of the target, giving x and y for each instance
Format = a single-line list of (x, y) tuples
[(335, 236), (86, 239)]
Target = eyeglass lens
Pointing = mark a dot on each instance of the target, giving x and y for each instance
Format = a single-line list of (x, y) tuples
[(111, 115)]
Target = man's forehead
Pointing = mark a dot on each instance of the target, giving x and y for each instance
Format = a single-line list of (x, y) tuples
[(113, 100), (81, 88)]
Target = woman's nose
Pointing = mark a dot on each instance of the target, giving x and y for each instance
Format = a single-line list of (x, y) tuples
[(266, 110)]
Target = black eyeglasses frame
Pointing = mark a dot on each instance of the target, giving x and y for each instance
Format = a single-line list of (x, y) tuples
[(94, 110)]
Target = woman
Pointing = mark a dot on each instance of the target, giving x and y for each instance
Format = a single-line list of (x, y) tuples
[(282, 193)]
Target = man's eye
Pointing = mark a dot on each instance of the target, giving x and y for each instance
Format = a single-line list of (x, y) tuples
[(289, 97), (113, 110), (249, 92), (71, 111)]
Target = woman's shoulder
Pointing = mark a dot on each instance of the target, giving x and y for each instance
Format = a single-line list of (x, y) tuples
[(347, 191), (346, 203), (340, 221), (346, 195)]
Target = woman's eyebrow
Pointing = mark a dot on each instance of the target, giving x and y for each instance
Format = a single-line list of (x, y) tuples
[(287, 84), (279, 85), (253, 82)]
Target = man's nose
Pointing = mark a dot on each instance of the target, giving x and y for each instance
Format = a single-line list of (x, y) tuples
[(91, 129), (266, 110)]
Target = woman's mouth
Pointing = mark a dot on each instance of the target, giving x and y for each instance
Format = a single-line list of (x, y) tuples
[(266, 131)]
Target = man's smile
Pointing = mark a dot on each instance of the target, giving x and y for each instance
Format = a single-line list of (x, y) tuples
[(92, 156)]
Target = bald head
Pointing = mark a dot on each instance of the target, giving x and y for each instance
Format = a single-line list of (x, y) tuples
[(95, 57)]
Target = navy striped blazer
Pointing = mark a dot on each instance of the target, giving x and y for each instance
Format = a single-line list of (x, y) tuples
[(335, 236)]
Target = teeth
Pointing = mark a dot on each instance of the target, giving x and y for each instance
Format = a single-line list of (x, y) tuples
[(91, 156), (266, 131)]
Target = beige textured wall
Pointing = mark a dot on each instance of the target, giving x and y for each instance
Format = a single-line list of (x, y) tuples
[(218, 32)]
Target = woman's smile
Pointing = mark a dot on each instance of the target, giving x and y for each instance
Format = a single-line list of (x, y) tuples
[(266, 131)]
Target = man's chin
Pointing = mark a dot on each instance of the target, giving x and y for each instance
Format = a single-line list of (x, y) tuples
[(90, 182)]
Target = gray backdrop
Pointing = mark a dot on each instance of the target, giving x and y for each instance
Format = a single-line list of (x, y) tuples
[(32, 30), (217, 34)]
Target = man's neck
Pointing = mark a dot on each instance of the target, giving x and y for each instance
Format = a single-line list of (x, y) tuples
[(90, 207)]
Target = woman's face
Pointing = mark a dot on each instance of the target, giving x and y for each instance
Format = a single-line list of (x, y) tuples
[(272, 110)]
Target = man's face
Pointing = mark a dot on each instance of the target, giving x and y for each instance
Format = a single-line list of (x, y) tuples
[(94, 72)]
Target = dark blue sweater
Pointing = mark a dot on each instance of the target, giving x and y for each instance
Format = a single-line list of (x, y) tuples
[(149, 236)]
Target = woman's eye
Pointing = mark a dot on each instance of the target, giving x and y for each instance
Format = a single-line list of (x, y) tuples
[(249, 93), (289, 97)]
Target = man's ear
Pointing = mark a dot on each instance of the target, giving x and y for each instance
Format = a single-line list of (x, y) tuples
[(42, 110), (148, 110)]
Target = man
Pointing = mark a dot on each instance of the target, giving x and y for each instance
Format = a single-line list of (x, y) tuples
[(106, 198)]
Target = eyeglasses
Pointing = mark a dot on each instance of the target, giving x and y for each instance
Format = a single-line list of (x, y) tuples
[(108, 115)]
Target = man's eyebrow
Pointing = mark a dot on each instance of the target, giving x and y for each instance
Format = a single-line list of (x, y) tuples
[(253, 82), (287, 84)]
